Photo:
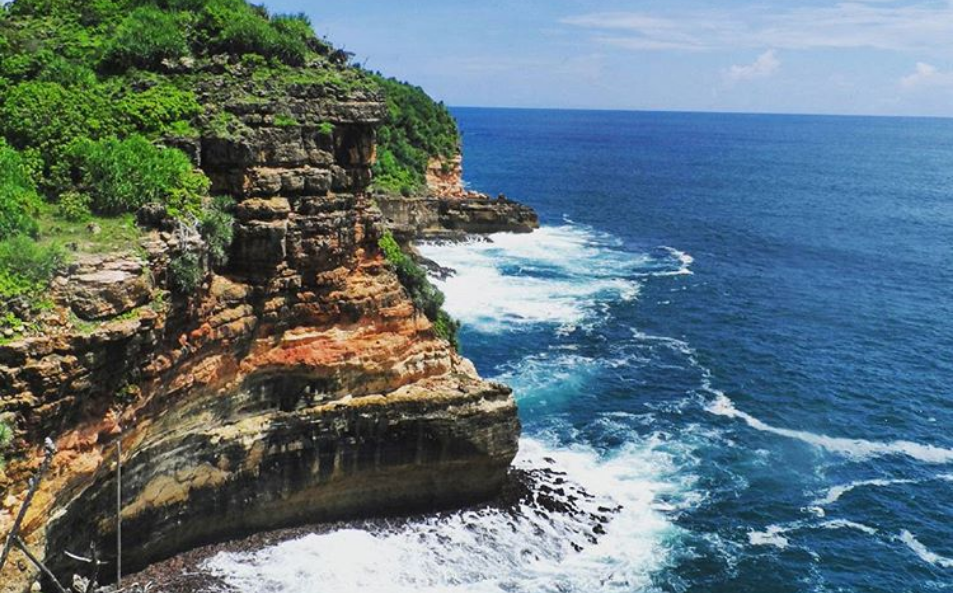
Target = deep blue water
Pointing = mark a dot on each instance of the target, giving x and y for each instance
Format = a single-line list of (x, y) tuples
[(738, 328), (820, 301)]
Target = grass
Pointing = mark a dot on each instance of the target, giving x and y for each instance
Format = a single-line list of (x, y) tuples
[(117, 234)]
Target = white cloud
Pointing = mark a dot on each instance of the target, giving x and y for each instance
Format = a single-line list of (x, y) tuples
[(927, 75), (920, 25), (766, 65)]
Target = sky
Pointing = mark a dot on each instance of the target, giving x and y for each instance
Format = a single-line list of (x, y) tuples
[(870, 57)]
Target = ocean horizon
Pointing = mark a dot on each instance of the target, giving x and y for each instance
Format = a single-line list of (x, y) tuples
[(458, 108)]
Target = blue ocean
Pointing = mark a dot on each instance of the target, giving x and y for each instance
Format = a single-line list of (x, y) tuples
[(736, 330)]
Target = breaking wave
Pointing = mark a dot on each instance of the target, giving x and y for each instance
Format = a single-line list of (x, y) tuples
[(615, 538), (556, 275)]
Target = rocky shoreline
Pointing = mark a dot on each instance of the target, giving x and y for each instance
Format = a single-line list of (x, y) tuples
[(544, 492)]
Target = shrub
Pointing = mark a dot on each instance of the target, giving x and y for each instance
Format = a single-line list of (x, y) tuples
[(285, 121), (19, 201), (298, 26), (425, 296), (217, 226), (145, 38), (49, 117), (159, 108), (235, 27), (123, 175), (416, 129), (6, 438), (186, 273), (66, 73), (26, 267), (74, 207), (447, 328)]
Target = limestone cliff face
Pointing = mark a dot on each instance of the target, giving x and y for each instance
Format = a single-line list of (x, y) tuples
[(448, 211), (445, 177), (298, 385)]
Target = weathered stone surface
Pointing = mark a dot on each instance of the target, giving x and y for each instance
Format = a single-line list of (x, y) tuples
[(101, 288), (455, 217)]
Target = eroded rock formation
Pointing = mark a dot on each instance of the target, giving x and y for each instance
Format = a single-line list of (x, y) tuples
[(298, 385), (449, 211)]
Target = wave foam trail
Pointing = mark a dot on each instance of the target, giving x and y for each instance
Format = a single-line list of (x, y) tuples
[(531, 550), (772, 536), (554, 275), (857, 449), (923, 552), (835, 493)]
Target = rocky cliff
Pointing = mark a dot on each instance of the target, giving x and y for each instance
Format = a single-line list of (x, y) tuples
[(296, 385), (446, 210)]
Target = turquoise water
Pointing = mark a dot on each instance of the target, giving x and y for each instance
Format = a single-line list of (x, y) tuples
[(737, 328)]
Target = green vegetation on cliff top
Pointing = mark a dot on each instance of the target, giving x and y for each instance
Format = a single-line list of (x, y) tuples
[(93, 94)]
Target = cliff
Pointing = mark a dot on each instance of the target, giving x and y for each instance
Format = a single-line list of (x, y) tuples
[(446, 210), (296, 383)]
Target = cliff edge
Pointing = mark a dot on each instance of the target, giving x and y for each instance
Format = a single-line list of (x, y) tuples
[(298, 382)]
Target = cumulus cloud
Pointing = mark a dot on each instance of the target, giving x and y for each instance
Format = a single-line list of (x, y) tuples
[(880, 24), (926, 75), (766, 65)]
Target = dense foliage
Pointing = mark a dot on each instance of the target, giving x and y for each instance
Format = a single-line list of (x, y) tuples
[(417, 130), (26, 267), (93, 93), (19, 201), (426, 297), (123, 175), (145, 38)]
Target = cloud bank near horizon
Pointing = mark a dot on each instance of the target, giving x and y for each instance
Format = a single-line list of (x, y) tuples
[(817, 56)]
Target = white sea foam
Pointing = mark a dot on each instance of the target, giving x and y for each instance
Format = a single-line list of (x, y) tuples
[(490, 551), (836, 492), (845, 524), (555, 275), (772, 536), (778, 535), (855, 449), (686, 261), (923, 552)]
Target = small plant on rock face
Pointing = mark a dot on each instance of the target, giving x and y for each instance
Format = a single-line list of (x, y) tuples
[(285, 121), (217, 226), (186, 273), (425, 296), (6, 438)]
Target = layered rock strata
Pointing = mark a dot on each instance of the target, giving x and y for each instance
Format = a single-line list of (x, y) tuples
[(455, 218), (449, 211), (297, 385)]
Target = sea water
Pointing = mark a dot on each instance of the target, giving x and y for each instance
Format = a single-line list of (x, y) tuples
[(737, 329)]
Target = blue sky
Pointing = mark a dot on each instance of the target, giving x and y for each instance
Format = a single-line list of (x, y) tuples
[(795, 56)]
